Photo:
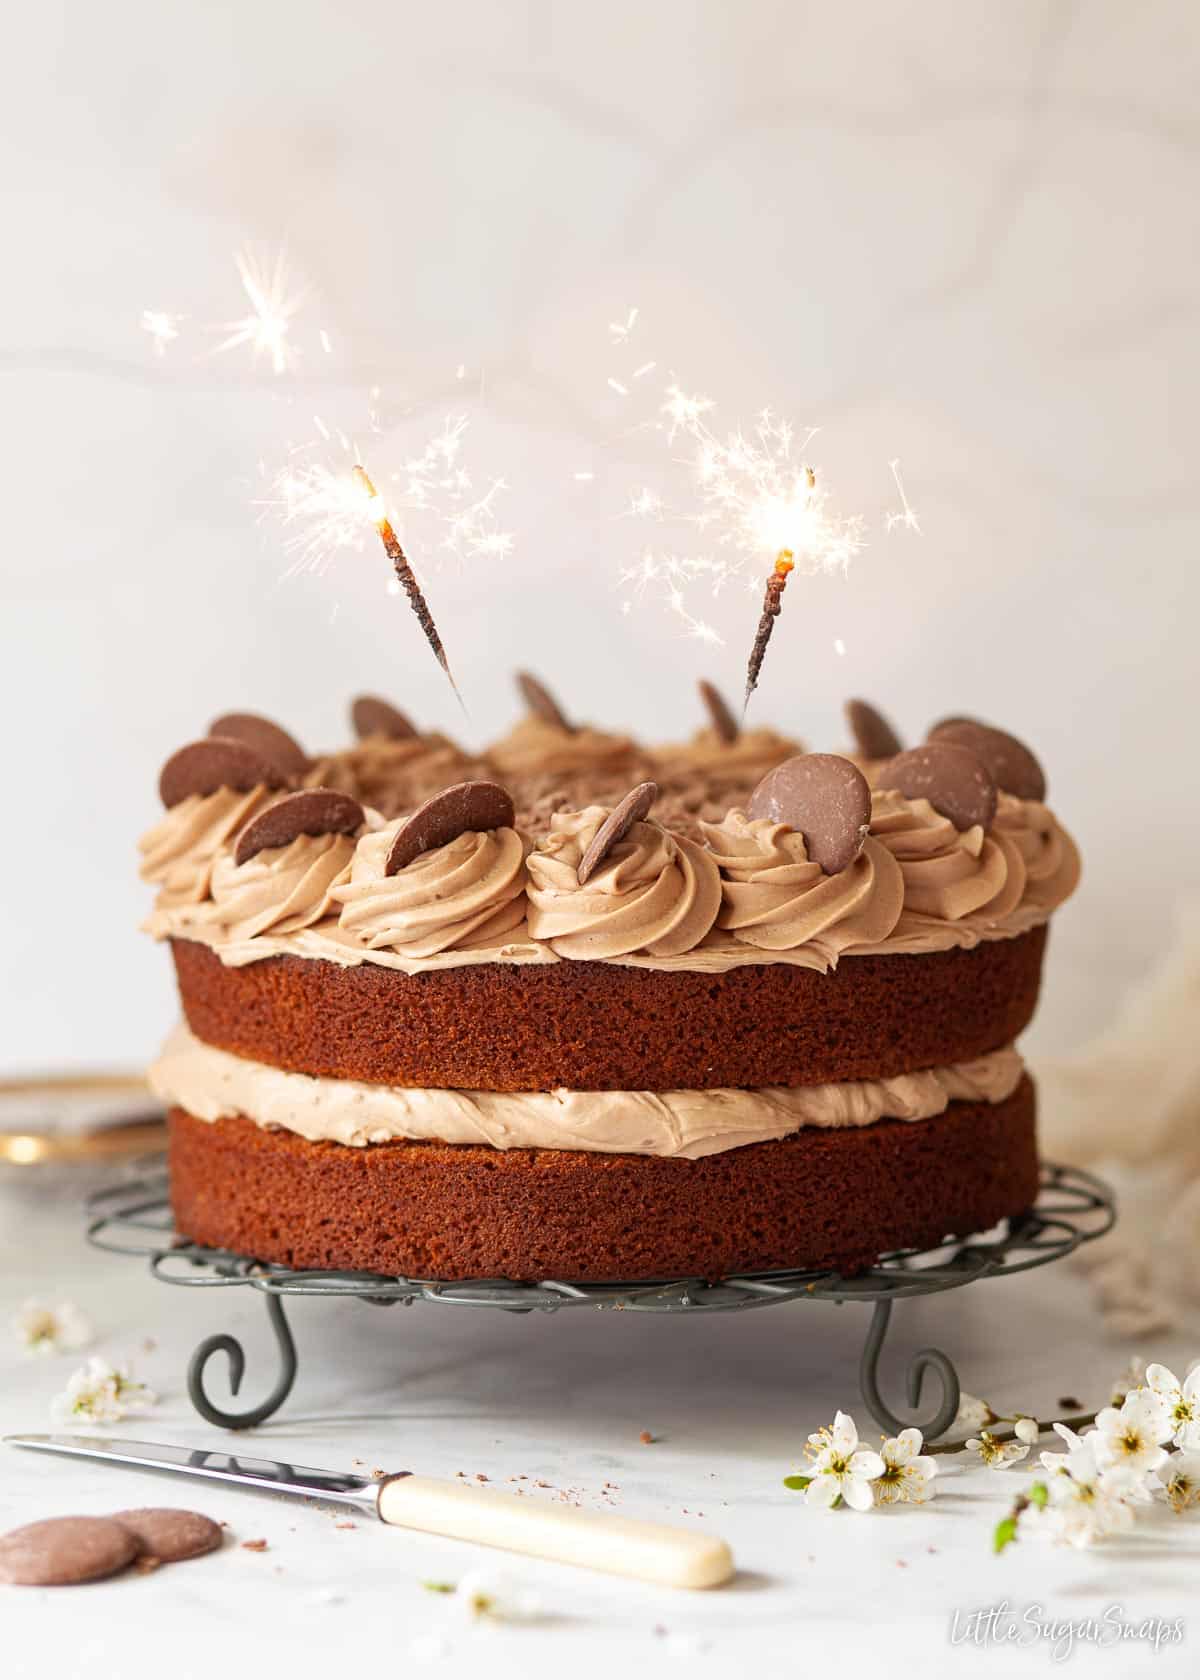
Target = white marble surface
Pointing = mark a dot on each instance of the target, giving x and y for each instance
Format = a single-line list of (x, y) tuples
[(964, 235), (564, 1400)]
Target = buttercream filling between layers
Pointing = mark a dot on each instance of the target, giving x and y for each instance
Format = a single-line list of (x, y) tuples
[(212, 1084)]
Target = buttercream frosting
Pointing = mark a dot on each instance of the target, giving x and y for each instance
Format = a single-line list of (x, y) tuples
[(468, 893), (776, 899), (536, 747), (749, 755), (655, 892), (212, 1084), (282, 888), (178, 852)]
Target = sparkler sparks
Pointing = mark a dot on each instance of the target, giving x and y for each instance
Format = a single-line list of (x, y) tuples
[(273, 304), (754, 499), (906, 517), (162, 327)]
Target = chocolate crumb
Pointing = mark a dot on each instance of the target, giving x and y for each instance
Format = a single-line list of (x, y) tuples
[(646, 1438), (480, 1477), (254, 1545)]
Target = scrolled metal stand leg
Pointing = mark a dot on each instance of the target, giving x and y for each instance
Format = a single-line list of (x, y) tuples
[(927, 1359), (230, 1346)]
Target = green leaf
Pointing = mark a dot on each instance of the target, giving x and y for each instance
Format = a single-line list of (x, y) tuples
[(439, 1586), (799, 1483), (1006, 1533), (1039, 1493)]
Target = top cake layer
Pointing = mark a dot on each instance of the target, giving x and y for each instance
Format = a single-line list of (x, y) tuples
[(727, 860)]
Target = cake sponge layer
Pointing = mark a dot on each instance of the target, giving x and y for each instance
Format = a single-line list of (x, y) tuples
[(603, 1027), (820, 1199)]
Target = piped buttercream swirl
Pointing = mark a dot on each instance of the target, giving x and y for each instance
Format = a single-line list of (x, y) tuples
[(750, 755), (775, 898), (281, 889), (655, 892), (535, 747), (468, 894), (179, 851)]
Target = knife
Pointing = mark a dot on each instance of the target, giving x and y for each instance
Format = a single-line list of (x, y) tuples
[(668, 1557)]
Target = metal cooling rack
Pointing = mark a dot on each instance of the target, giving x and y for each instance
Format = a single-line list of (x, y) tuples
[(1073, 1207)]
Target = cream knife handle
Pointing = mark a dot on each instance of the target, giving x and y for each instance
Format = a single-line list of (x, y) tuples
[(670, 1557)]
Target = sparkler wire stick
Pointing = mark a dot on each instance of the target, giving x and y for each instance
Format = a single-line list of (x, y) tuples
[(771, 608), (405, 574)]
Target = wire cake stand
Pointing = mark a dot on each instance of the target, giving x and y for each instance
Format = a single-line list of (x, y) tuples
[(1073, 1207)]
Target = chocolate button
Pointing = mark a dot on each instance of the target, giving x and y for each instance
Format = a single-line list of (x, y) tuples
[(312, 811), (542, 703), (873, 735), (168, 1535), (372, 716), (265, 737), (633, 808), (825, 798), (63, 1551), (950, 777), (1008, 761), (724, 723), (217, 762), (467, 808)]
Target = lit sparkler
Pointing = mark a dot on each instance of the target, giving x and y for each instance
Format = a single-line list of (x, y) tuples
[(907, 516), (756, 499), (273, 303), (378, 514)]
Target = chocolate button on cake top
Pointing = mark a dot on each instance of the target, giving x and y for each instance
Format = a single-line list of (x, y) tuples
[(950, 777), (542, 703), (311, 811), (63, 1551), (873, 735), (218, 762), (466, 808), (1008, 761), (373, 716), (825, 798), (267, 738), (634, 808), (725, 725)]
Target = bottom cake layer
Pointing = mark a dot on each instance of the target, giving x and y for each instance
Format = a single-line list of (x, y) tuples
[(818, 1199)]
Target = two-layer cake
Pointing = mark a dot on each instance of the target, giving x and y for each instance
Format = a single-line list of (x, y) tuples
[(585, 1009)]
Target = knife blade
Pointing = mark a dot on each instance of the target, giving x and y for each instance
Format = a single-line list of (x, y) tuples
[(654, 1552)]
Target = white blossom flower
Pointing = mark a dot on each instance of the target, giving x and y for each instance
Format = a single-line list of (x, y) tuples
[(44, 1329), (101, 1393), (907, 1477), (1133, 1376), (997, 1455), (1182, 1401), (1127, 1441), (1027, 1429), (484, 1595), (841, 1468), (973, 1413), (1179, 1479), (1083, 1502)]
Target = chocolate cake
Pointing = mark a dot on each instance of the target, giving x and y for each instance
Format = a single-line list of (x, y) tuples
[(581, 1008)]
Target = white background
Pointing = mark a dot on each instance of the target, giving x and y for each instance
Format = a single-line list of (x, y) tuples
[(964, 235)]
